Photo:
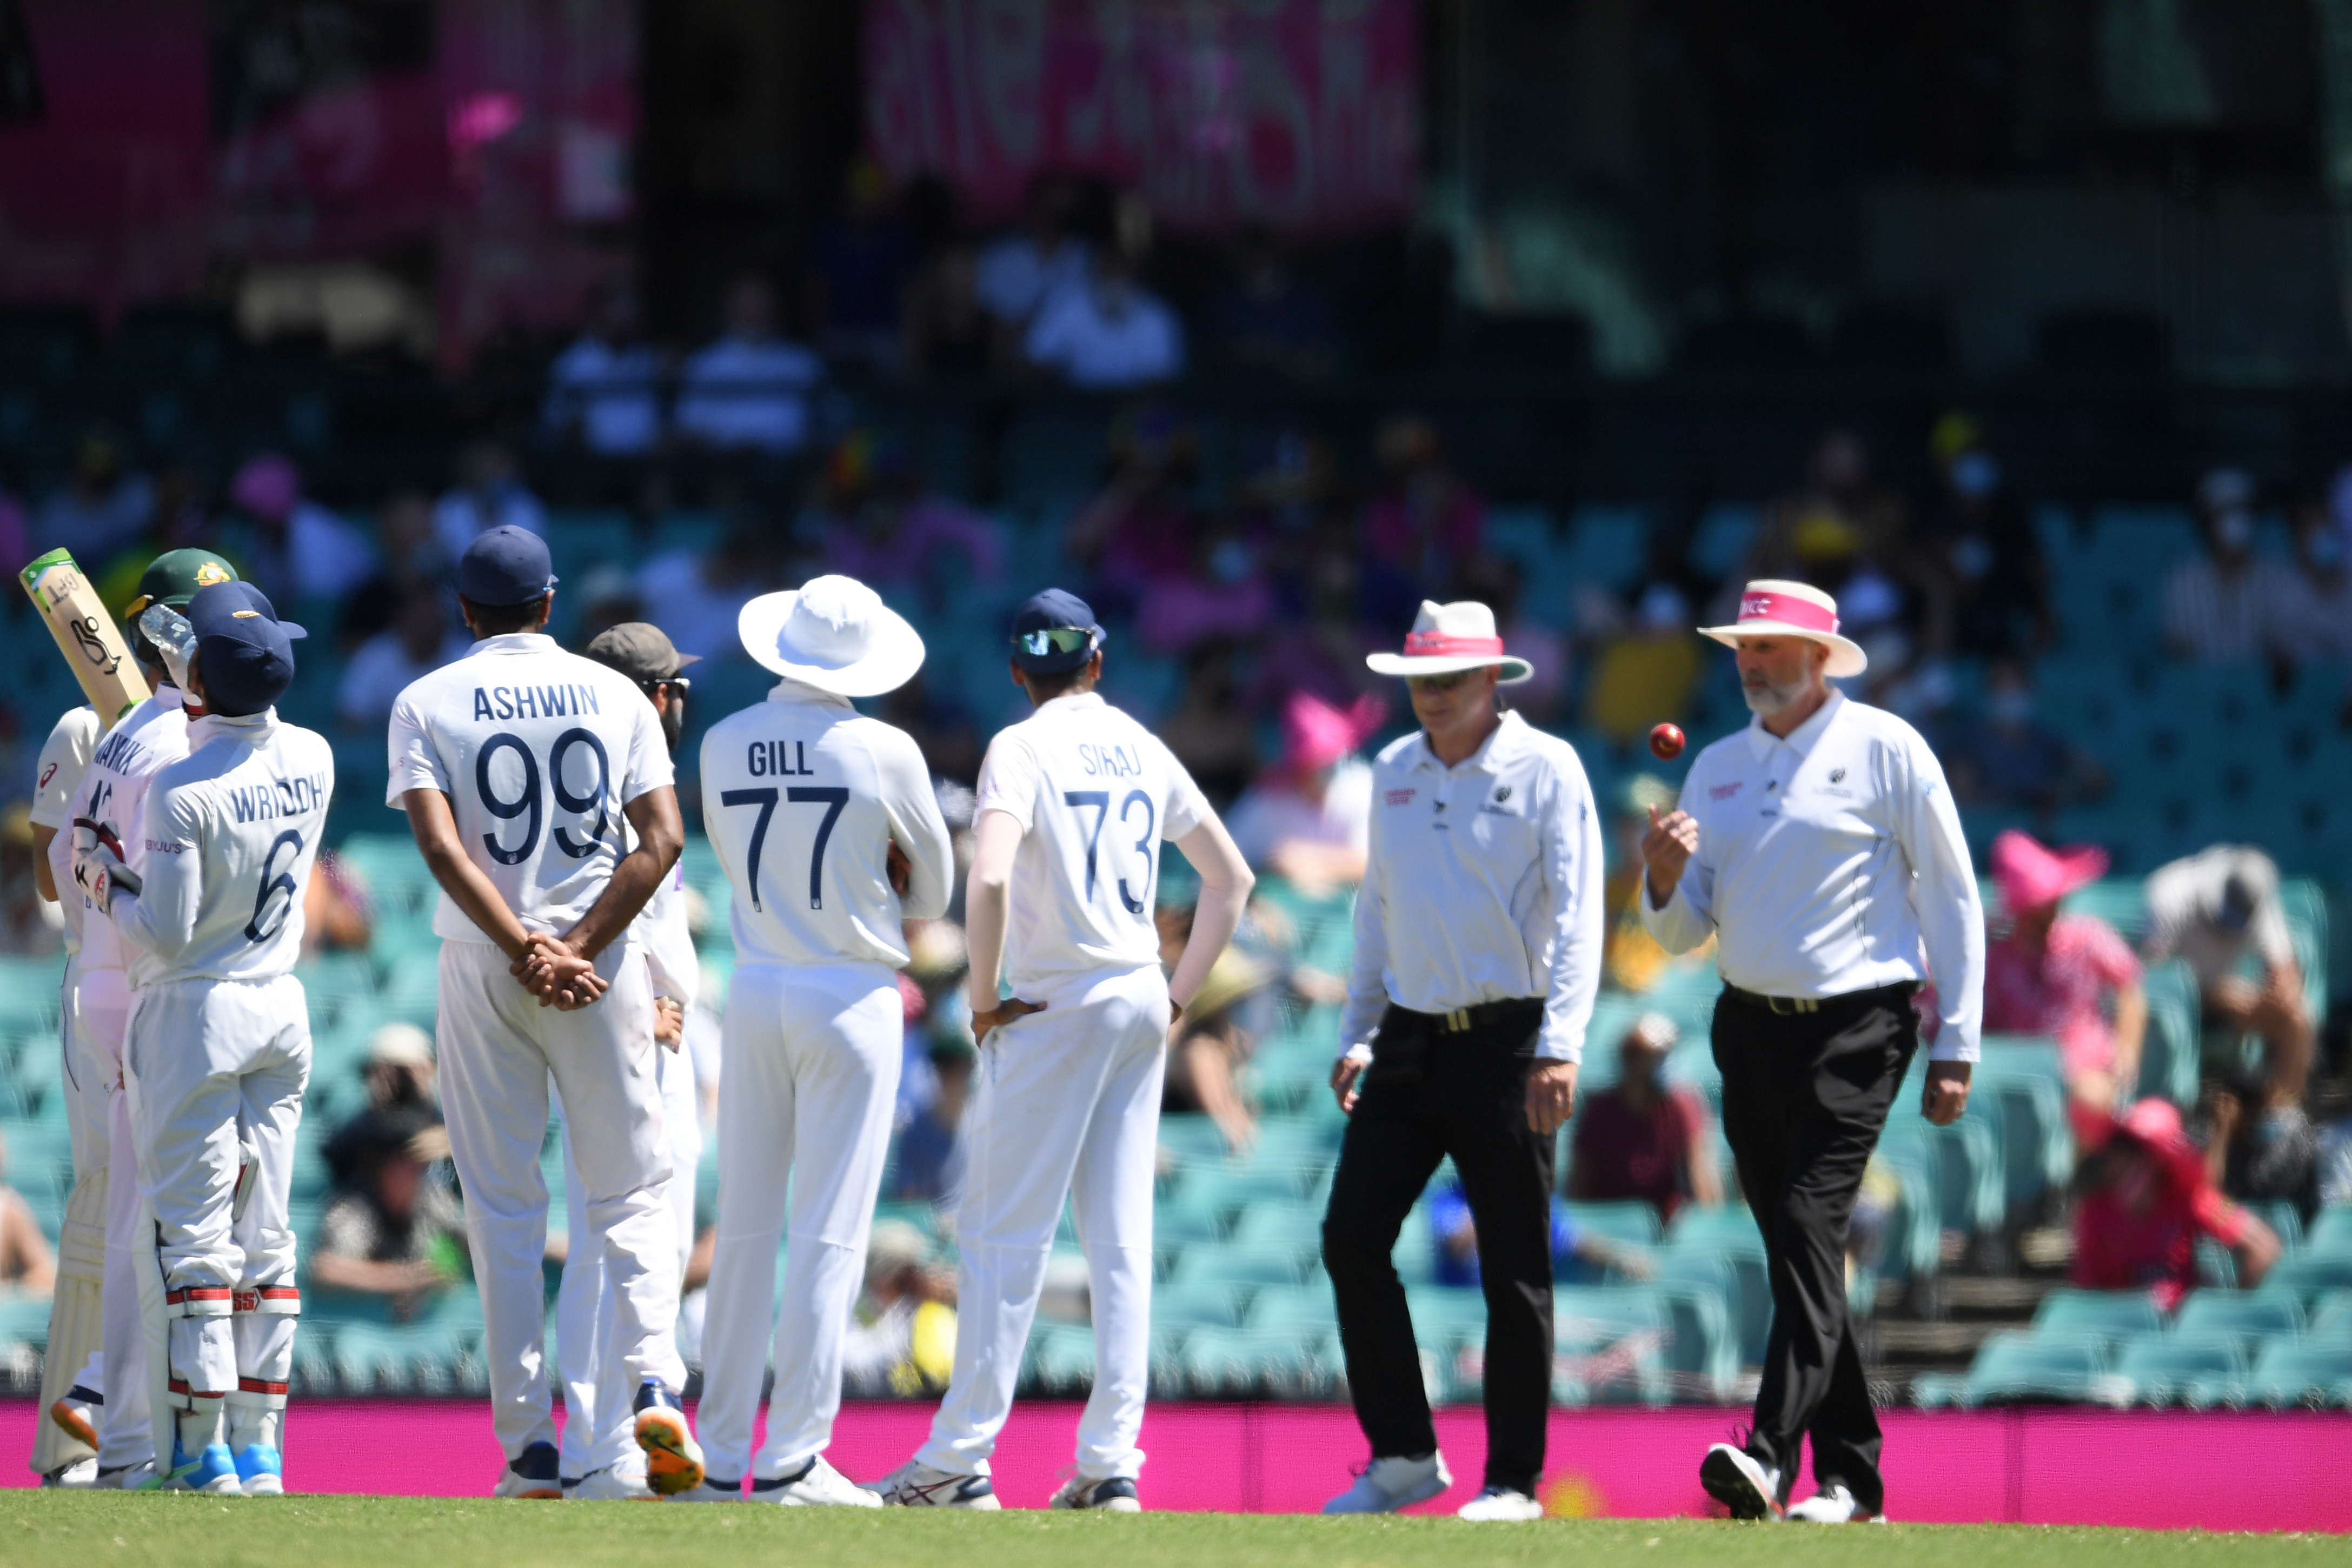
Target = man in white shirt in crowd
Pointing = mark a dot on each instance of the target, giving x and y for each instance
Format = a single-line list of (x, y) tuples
[(489, 493), (419, 641), (217, 1049), (1822, 847), (1018, 273), (2222, 602), (831, 836), (298, 550), (2213, 909), (751, 390), (606, 389), (1073, 804), (1108, 332), (1479, 938)]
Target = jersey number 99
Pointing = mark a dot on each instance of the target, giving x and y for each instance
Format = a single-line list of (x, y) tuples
[(527, 802)]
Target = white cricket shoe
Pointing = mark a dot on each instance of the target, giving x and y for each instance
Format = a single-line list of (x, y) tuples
[(1835, 1505), (535, 1473), (712, 1491), (1505, 1505), (81, 1476), (916, 1485), (613, 1483), (1738, 1480), (1388, 1485), (1111, 1494), (814, 1485), (125, 1478)]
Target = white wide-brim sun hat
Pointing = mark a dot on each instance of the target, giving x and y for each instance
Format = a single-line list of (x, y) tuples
[(834, 633), (1774, 608), (1449, 638)]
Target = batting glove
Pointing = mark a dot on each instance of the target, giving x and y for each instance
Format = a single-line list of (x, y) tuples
[(98, 863)]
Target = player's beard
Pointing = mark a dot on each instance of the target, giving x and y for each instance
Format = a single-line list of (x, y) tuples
[(1766, 699), (673, 722)]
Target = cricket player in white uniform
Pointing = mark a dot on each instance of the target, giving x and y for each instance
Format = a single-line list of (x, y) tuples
[(218, 1047), (527, 774), (831, 837), (113, 792), (65, 1450), (1073, 804), (601, 1458)]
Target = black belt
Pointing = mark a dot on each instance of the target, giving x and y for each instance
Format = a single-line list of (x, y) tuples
[(1524, 1010), (1795, 1007)]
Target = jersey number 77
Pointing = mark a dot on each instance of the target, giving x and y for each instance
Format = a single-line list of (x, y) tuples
[(833, 797)]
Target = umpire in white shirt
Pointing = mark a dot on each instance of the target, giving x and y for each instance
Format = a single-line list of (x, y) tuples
[(1461, 1036), (1821, 847)]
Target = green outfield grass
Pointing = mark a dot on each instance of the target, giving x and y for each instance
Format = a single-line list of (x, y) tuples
[(52, 1529)]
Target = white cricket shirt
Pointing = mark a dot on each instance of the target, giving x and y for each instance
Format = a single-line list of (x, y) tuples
[(1482, 885), (230, 833), (803, 798), (65, 757), (1826, 861), (662, 931), (539, 751), (1095, 793), (113, 789)]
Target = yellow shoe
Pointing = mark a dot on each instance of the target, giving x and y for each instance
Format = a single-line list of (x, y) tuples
[(673, 1459)]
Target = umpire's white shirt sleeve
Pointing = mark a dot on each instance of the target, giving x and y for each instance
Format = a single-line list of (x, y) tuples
[(1492, 871)]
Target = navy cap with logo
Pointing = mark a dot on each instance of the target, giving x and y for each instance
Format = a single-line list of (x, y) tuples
[(1053, 631), (245, 654), (505, 565)]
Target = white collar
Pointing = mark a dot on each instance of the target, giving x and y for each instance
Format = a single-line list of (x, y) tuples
[(1501, 744), (1803, 738), (1071, 702), (517, 642), (791, 690)]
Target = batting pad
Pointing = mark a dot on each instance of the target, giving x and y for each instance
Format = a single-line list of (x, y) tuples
[(76, 1318)]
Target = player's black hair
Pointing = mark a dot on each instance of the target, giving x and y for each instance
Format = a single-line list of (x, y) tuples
[(501, 620), (1044, 688)]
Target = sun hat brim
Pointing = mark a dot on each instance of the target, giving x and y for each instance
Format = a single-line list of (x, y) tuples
[(892, 658), (1514, 668), (1846, 657)]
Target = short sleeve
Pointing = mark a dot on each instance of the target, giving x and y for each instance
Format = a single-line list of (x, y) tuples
[(2217, 1218), (1186, 807), (415, 761), (64, 756), (2110, 958), (649, 765), (1008, 782)]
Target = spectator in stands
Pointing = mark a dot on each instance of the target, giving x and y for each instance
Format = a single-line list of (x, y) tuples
[(2331, 1157), (605, 391), (2313, 621), (1017, 274), (1208, 730), (393, 1232), (859, 263), (2007, 757), (1223, 592), (1577, 1253), (399, 1081), (693, 595), (1268, 321), (1988, 592), (2258, 1156), (933, 1143), (295, 549), (1647, 672), (1141, 527), (1423, 523), (1107, 333), (607, 596), (751, 390), (902, 1341), (945, 331), (489, 493), (2145, 1199), (1632, 959), (1642, 1137), (1841, 519), (419, 641), (2067, 977), (30, 925), (1308, 818), (101, 508), (876, 521), (338, 916), (2215, 910), (2218, 604), (942, 731), (409, 560), (1219, 1032), (26, 1265)]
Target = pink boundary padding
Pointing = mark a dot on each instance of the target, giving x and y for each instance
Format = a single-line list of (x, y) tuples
[(2219, 1470)]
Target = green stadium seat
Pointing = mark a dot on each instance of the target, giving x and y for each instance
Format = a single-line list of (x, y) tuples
[(1282, 1225), (1633, 1223), (2015, 1368), (2249, 1316), (2311, 1275), (1242, 1362), (25, 1320), (1238, 1266), (1609, 1346), (2110, 1315), (1692, 1252), (2020, 1083), (2312, 1369), (1446, 1315), (2334, 1314), (1294, 1309), (1061, 1358), (2196, 1370), (2331, 1230), (2170, 1059), (1209, 1304), (1701, 1349)]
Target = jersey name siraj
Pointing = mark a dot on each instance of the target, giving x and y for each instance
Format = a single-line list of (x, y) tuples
[(1109, 762), (568, 701), (279, 797)]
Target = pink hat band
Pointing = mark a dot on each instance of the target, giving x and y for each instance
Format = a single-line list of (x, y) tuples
[(1439, 644), (1788, 610)]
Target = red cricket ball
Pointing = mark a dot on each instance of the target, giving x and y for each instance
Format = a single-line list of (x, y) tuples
[(1666, 742)]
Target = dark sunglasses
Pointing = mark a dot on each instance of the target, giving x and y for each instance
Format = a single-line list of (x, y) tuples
[(677, 683), (1053, 639)]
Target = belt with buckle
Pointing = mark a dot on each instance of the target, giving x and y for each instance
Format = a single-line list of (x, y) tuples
[(1461, 1020), (1793, 1006)]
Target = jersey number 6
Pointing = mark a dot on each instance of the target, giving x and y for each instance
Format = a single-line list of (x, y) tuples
[(261, 928), (833, 797)]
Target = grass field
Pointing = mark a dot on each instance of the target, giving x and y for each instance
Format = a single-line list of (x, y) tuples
[(83, 1529)]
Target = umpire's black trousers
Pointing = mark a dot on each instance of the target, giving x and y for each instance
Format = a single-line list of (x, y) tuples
[(1805, 1094), (1440, 1085)]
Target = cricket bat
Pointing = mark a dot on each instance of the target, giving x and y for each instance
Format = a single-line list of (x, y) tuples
[(87, 635)]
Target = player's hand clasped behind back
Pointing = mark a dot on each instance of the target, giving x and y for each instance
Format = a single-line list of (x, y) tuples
[(549, 970)]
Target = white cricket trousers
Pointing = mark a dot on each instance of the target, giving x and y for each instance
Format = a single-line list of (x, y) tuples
[(206, 1060), (499, 1049), (599, 1427), (1066, 1103), (77, 1308), (810, 1056), (101, 1008)]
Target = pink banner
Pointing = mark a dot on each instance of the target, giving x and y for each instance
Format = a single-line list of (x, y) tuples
[(2215, 1470), (1298, 112)]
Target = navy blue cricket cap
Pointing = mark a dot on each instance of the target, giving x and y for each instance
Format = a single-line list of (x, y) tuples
[(244, 652), (1055, 632), (505, 565)]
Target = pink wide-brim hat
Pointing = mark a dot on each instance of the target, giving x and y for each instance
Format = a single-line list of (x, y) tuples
[(2031, 875), (1774, 608), (1314, 734)]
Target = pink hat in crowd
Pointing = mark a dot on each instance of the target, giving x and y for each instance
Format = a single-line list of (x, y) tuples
[(2154, 1125), (1314, 734), (268, 487), (2030, 876)]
